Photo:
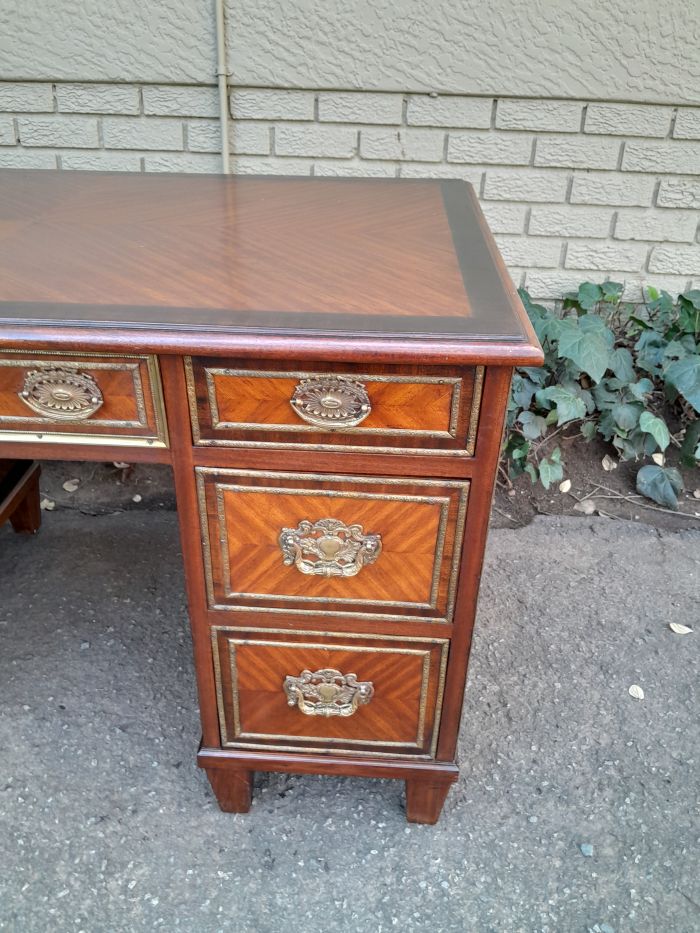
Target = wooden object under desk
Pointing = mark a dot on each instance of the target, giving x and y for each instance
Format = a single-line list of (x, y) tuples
[(325, 363), (19, 495)]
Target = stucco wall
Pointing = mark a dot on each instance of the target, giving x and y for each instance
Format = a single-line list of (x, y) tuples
[(636, 50), (629, 50)]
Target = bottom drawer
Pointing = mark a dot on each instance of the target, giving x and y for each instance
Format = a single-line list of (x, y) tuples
[(308, 691)]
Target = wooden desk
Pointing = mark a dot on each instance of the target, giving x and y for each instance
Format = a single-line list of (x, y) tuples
[(325, 364)]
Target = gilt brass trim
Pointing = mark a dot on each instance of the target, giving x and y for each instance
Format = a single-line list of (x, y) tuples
[(299, 375), (439, 699), (473, 427), (230, 593), (240, 739), (75, 361), (463, 487), (457, 382)]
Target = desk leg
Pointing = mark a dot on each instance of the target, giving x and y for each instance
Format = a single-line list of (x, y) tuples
[(233, 789), (424, 800)]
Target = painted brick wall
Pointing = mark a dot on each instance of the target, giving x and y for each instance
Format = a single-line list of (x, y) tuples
[(572, 190)]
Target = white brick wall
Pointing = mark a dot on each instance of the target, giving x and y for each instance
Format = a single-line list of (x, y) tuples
[(572, 189)]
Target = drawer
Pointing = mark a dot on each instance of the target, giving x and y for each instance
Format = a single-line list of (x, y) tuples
[(312, 692), (419, 408), (316, 543), (81, 398)]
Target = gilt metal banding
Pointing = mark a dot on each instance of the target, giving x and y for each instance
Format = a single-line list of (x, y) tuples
[(327, 692), (331, 401), (329, 548), (61, 394)]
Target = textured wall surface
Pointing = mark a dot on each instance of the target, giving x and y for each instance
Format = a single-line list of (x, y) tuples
[(572, 190), (629, 50), (107, 40)]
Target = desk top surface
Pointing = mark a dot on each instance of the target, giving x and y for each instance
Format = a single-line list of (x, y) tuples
[(196, 254)]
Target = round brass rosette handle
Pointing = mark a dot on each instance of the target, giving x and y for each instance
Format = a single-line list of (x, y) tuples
[(331, 401), (61, 394)]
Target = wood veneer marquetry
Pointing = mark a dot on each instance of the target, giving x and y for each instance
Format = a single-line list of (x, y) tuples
[(420, 524), (131, 412), (400, 719), (420, 408), (395, 282)]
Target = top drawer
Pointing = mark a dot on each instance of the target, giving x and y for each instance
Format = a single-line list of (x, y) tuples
[(341, 407), (81, 398)]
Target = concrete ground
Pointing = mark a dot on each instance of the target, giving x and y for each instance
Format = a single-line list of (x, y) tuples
[(575, 810)]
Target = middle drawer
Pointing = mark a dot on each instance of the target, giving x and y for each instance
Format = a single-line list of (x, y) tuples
[(305, 542)]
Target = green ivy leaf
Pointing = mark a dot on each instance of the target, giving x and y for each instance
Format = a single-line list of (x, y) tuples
[(641, 389), (622, 364), (650, 424), (551, 470), (588, 429), (684, 375), (589, 295), (589, 351), (662, 484), (689, 316), (533, 425), (569, 407), (531, 472), (690, 448), (692, 297), (612, 291), (626, 415)]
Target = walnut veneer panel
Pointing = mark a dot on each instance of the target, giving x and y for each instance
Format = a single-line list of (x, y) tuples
[(131, 410), (404, 676), (419, 523), (427, 408)]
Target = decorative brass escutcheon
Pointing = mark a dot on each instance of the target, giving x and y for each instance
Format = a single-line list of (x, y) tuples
[(329, 548), (327, 692), (331, 401), (61, 394)]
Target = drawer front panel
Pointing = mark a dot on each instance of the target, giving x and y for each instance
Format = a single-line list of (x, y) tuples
[(303, 543), (424, 408), (84, 398), (312, 692)]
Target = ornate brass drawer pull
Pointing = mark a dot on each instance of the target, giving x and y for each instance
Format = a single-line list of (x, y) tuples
[(331, 401), (61, 394), (327, 692), (329, 548)]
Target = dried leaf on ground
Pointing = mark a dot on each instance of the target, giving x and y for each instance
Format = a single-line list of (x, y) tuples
[(47, 505), (71, 485), (609, 463), (636, 691), (679, 629), (565, 486), (587, 507), (658, 459)]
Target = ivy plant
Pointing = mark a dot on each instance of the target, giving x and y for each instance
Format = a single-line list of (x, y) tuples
[(627, 372)]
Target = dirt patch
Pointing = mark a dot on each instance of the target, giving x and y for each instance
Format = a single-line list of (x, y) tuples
[(612, 493)]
